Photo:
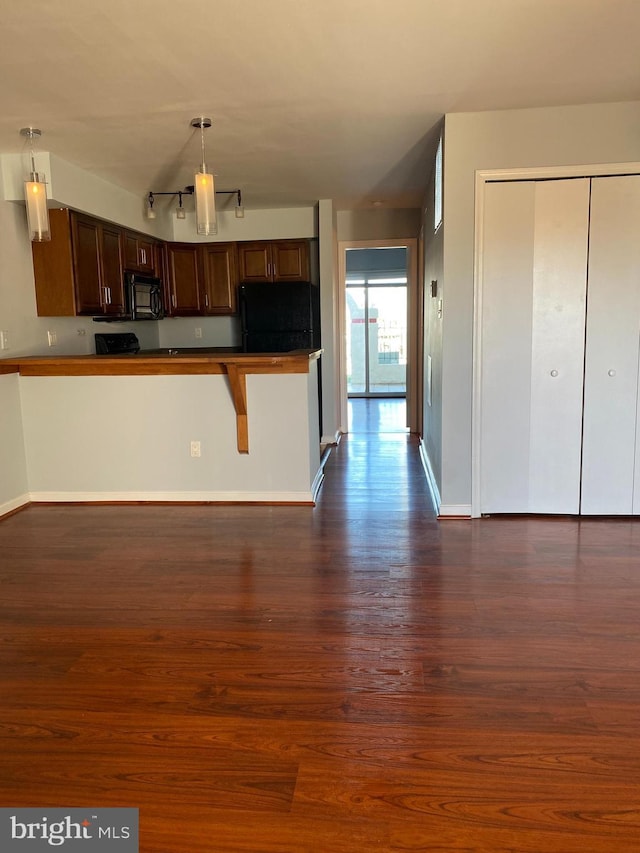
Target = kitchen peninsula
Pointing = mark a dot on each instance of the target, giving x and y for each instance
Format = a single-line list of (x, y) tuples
[(171, 426)]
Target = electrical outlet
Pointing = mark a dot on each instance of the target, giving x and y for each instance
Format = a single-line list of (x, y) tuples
[(4, 340), (198, 332), (52, 338), (195, 448)]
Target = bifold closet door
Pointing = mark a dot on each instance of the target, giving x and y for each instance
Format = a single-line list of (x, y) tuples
[(534, 264), (611, 449)]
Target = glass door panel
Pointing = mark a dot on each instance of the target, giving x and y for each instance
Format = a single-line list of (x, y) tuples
[(376, 339), (356, 343), (387, 329)]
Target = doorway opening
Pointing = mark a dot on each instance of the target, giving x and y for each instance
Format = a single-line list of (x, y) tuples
[(376, 290)]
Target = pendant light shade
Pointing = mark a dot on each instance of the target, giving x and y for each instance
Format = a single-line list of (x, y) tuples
[(35, 194), (205, 193), (204, 189)]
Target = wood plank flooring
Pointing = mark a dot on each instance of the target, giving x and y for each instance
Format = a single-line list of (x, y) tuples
[(354, 677)]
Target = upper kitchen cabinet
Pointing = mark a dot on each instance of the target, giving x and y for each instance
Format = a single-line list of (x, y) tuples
[(203, 279), (185, 279), (273, 261), (219, 264), (139, 253), (79, 271), (111, 269)]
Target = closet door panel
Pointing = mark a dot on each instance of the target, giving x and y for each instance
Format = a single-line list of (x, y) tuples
[(561, 231), (612, 348), (533, 315), (507, 264)]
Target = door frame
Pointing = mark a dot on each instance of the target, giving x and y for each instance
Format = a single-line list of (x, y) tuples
[(414, 373), (482, 178)]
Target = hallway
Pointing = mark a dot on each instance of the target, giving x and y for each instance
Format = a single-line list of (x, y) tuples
[(354, 678)]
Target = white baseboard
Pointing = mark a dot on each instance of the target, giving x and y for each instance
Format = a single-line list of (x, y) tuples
[(457, 510), (13, 504), (431, 479), (306, 497), (443, 510), (331, 439), (315, 486)]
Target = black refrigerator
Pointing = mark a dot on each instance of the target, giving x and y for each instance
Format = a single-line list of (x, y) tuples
[(279, 317)]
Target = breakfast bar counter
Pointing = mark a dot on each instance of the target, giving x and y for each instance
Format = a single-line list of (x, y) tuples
[(174, 425)]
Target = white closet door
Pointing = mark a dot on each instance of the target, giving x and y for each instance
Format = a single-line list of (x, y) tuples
[(609, 464), (533, 315)]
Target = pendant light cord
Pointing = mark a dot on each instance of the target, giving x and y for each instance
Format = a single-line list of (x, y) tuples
[(204, 167)]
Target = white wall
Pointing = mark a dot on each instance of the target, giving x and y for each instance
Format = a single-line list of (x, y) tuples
[(432, 351), (329, 320), (13, 471), (378, 224), (591, 134), (78, 447), (273, 224)]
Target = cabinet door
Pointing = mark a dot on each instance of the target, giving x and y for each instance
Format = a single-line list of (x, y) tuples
[(609, 480), (533, 316), (53, 269), (220, 278), (290, 260), (147, 255), (112, 283), (86, 263), (184, 279), (255, 261), (139, 255)]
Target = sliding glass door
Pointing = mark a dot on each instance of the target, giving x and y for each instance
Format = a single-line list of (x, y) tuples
[(376, 323)]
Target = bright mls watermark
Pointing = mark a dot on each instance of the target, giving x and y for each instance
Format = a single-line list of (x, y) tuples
[(69, 830)]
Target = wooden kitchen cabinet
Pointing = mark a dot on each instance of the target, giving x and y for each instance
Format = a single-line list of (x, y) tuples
[(79, 271), (85, 244), (185, 279), (139, 253), (220, 279), (203, 279), (112, 270), (274, 261)]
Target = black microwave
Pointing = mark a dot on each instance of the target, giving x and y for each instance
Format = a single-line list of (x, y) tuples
[(144, 297)]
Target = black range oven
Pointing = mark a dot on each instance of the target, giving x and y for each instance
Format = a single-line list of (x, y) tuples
[(117, 343)]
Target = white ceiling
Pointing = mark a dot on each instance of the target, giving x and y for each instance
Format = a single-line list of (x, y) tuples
[(310, 98)]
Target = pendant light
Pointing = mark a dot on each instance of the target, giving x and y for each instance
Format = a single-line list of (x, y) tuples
[(35, 193), (204, 189)]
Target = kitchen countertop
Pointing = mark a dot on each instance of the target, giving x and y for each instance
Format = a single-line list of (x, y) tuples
[(167, 361)]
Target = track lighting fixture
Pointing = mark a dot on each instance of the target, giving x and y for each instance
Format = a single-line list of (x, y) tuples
[(239, 206), (181, 212), (35, 192), (151, 214)]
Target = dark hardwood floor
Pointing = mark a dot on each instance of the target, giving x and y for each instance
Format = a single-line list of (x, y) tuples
[(354, 677)]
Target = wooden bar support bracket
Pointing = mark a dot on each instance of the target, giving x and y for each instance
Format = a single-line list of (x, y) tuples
[(238, 384)]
